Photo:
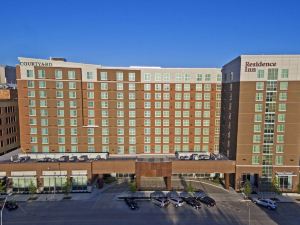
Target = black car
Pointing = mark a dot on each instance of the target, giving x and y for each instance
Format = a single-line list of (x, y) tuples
[(132, 204), (11, 205), (193, 202), (207, 201)]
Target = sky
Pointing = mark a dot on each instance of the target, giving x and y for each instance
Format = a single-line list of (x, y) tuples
[(168, 33)]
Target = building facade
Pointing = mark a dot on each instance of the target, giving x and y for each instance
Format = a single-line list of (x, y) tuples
[(260, 123), (71, 107)]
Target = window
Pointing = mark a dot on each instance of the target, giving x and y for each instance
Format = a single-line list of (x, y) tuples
[(103, 75), (284, 86), (256, 138), (260, 74), (119, 76), (147, 76), (58, 74), (42, 84), (29, 74), (199, 77), (89, 75), (258, 118), (255, 149), (259, 96), (104, 86), (280, 138), (279, 160), (71, 75), (131, 76), (198, 87), (281, 117), (147, 87), (72, 85), (207, 77), (178, 87), (284, 73), (30, 84), (258, 107), (282, 107), (255, 159), (257, 128), (31, 94), (59, 85), (283, 96), (207, 87), (280, 127), (41, 74), (43, 94), (279, 149), (259, 85), (72, 94)]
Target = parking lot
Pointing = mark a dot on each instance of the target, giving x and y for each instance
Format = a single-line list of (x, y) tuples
[(105, 209)]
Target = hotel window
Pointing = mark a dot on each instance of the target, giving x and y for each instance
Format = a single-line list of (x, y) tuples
[(147, 76), (29, 74), (131, 86), (147, 122), (166, 123), (120, 95), (157, 87), (42, 84), (186, 114), (166, 96), (105, 131), (282, 107), (177, 105), (177, 114), (284, 73), (90, 86), (147, 96), (207, 87), (32, 121), (198, 105), (72, 94), (186, 96), (73, 113), (207, 77), (120, 105), (147, 149), (205, 140), (186, 87), (132, 131), (132, 114), (44, 122), (207, 96), (280, 138), (198, 87), (103, 75), (147, 87), (198, 96), (157, 148), (33, 139), (158, 105), (256, 138), (74, 148), (74, 140), (283, 96), (147, 131), (104, 104), (132, 123), (157, 113), (178, 96), (166, 105), (43, 94), (104, 86), (197, 123), (31, 103), (33, 130), (166, 114), (177, 123), (197, 140), (30, 84), (166, 131), (279, 160), (258, 107), (59, 85), (61, 131), (259, 96), (199, 77), (178, 87), (198, 114), (132, 140), (281, 117), (147, 113), (90, 95), (157, 122), (185, 123), (177, 131), (131, 96), (157, 96), (104, 95), (258, 118), (61, 140), (73, 104), (255, 159), (260, 74), (157, 140), (91, 140), (186, 105), (74, 131), (43, 103), (60, 112), (279, 149), (44, 112), (206, 105), (31, 94), (89, 75), (280, 127), (206, 114), (72, 85), (284, 86), (259, 85), (166, 87), (131, 76), (120, 123), (120, 131), (45, 148), (119, 76), (105, 140), (58, 74), (147, 139), (219, 87), (257, 128), (104, 122), (219, 77), (71, 75), (73, 122), (255, 149)]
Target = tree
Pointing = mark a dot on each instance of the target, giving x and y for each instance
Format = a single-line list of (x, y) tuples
[(190, 188), (32, 188), (67, 187), (247, 188), (275, 186), (2, 187), (132, 187)]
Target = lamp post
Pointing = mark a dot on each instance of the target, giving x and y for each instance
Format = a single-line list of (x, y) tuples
[(4, 205)]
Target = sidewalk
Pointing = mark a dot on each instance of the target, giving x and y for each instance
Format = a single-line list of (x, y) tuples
[(284, 198)]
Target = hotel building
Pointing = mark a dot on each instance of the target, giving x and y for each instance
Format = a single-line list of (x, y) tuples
[(152, 112)]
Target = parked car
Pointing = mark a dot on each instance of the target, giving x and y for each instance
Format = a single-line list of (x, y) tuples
[(83, 158), (46, 159), (204, 198), (176, 201), (161, 202), (63, 158), (11, 205), (193, 202), (265, 202), (132, 204), (73, 159)]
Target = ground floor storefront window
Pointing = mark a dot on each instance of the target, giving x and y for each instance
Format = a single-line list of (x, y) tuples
[(54, 183), (22, 184), (79, 183), (285, 182)]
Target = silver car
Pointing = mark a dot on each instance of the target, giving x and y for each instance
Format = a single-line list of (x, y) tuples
[(265, 202), (176, 201)]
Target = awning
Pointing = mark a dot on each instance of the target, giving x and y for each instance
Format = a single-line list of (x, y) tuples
[(284, 174)]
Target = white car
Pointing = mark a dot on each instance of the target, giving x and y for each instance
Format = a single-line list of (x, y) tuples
[(268, 203), (176, 201), (161, 202)]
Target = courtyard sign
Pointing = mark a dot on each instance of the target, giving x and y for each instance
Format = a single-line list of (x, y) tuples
[(42, 64)]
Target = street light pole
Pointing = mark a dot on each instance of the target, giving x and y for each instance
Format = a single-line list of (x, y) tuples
[(4, 205)]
